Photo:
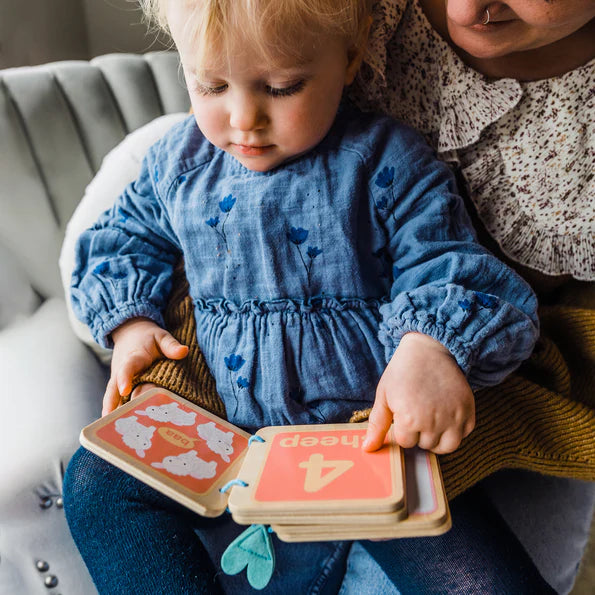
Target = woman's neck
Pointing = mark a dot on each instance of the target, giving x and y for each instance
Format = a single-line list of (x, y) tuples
[(555, 59)]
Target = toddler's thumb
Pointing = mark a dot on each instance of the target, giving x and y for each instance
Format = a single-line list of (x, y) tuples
[(172, 348)]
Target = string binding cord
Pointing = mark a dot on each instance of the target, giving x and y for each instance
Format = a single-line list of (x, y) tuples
[(233, 482)]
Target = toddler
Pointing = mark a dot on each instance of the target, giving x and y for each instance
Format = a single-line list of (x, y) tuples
[(330, 260)]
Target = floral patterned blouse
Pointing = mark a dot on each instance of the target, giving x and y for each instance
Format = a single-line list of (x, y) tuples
[(525, 149)]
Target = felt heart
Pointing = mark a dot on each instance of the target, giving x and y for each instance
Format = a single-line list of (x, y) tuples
[(253, 550)]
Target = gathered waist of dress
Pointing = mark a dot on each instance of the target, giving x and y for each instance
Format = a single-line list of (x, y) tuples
[(313, 305)]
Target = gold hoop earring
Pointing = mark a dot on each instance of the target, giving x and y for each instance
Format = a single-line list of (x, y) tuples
[(487, 17)]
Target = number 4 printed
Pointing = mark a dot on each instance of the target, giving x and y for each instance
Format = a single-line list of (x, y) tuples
[(315, 478)]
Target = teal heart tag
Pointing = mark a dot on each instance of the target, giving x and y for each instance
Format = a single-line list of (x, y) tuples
[(253, 550)]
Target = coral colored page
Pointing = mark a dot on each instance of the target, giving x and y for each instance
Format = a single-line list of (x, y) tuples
[(164, 435), (323, 466)]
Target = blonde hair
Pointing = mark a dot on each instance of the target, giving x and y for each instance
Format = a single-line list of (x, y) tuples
[(273, 27)]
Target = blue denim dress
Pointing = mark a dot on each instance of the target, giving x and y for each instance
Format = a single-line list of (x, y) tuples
[(304, 278)]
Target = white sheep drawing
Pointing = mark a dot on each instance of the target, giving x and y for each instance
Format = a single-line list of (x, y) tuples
[(169, 412), (217, 440), (188, 463), (134, 434)]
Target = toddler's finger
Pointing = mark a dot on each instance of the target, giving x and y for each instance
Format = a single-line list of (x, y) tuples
[(141, 388), (111, 397), (428, 440), (405, 438), (137, 362), (170, 347), (468, 427), (449, 441), (381, 417)]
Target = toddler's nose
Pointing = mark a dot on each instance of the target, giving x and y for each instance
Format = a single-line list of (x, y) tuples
[(246, 114)]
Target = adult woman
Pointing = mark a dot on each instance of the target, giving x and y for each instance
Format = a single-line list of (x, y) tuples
[(479, 79)]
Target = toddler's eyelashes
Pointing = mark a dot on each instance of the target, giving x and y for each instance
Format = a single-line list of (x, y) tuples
[(270, 90), (285, 91)]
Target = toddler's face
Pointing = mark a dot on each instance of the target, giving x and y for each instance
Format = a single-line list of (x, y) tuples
[(265, 115)]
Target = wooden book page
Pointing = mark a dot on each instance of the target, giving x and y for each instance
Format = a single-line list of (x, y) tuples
[(309, 471), (428, 512), (174, 446)]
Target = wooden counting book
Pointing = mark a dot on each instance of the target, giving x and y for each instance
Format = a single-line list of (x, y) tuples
[(310, 483), (319, 475), (179, 449)]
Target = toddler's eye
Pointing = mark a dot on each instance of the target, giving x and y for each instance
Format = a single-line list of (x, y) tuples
[(210, 90), (286, 91)]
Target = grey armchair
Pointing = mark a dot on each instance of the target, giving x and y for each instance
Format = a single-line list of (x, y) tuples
[(57, 122)]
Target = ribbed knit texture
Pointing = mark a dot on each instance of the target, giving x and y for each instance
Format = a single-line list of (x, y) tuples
[(542, 418), (190, 377)]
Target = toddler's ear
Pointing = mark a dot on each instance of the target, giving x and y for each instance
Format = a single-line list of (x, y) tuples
[(355, 54)]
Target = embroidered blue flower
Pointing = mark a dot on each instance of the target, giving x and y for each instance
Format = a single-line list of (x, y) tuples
[(102, 267), (465, 305), (297, 235), (485, 300), (386, 177), (234, 362), (227, 203), (123, 216)]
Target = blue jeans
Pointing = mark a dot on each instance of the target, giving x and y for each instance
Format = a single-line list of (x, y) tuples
[(135, 540), (480, 554)]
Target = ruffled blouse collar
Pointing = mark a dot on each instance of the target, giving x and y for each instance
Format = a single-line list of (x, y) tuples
[(468, 101)]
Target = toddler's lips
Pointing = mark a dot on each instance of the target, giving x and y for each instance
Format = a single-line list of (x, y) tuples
[(252, 150)]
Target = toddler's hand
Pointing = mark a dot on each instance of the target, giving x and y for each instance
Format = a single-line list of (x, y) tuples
[(426, 395), (137, 344), (139, 389)]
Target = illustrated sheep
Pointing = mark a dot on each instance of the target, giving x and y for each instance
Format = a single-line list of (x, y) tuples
[(169, 412), (217, 440), (188, 463), (134, 434)]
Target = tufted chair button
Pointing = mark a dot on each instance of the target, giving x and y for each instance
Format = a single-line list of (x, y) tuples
[(42, 565), (45, 502), (59, 502), (50, 581)]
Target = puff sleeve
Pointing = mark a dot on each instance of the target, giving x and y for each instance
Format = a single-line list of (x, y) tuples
[(445, 284), (124, 263)]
